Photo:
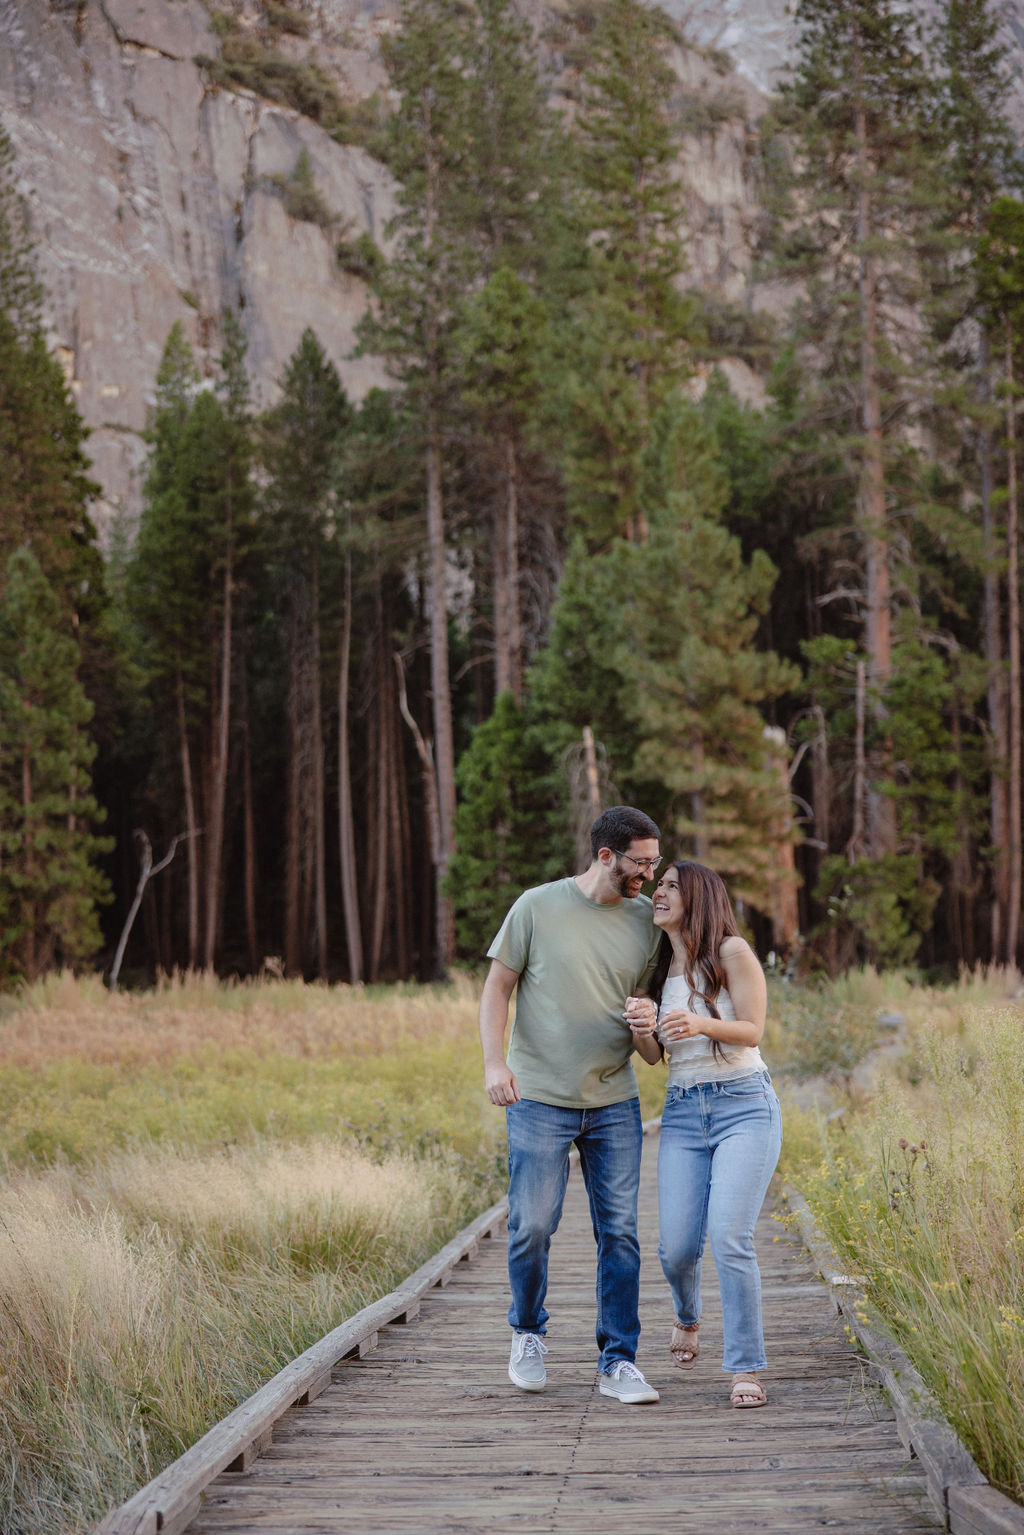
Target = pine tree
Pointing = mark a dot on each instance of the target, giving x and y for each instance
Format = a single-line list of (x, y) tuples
[(506, 837), (301, 442), (513, 203), (49, 884), (45, 488), (194, 535), (999, 268), (21, 293), (500, 345), (627, 336), (863, 205), (981, 161), (653, 645), (417, 295), (379, 481)]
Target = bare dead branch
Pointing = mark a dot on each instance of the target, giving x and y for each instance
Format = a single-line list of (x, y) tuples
[(147, 869)]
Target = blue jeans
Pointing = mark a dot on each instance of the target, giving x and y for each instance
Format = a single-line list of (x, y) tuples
[(720, 1142), (540, 1136)]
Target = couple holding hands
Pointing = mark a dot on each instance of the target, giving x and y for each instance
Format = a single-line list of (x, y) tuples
[(601, 971)]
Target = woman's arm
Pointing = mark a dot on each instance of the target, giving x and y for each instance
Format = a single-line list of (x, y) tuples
[(744, 981), (642, 1016), (647, 1048)]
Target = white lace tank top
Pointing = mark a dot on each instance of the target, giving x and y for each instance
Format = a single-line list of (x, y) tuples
[(693, 1060)]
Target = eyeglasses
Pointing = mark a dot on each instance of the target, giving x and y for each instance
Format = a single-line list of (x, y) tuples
[(648, 864)]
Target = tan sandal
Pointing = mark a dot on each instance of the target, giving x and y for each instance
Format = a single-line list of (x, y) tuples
[(747, 1391), (684, 1348)]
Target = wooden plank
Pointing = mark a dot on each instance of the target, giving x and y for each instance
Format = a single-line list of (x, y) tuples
[(164, 1502), (428, 1434), (983, 1511)]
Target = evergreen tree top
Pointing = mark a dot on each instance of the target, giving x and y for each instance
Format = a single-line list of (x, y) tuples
[(21, 294)]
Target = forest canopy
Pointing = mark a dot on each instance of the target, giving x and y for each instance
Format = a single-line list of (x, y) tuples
[(367, 668)]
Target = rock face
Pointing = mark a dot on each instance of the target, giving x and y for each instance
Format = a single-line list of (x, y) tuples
[(758, 35), (155, 196)]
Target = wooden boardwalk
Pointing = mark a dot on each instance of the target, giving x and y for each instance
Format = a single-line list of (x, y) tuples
[(427, 1434)]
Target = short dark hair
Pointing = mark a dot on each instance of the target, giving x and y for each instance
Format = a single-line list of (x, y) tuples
[(618, 826)]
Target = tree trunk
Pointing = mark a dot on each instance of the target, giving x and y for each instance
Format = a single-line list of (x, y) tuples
[(700, 841), (593, 779), (443, 756), (400, 831), (346, 828), (855, 846), (508, 631), (962, 880), (29, 903), (379, 853), (317, 785), (782, 876), (821, 780), (502, 650), (443, 766), (996, 690), (430, 784), (249, 824), (1013, 647), (219, 776), (293, 947), (191, 828), (880, 826)]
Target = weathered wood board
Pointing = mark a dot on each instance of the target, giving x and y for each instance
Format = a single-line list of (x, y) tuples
[(427, 1434)]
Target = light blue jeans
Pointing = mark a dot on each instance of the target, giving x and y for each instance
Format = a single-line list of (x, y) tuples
[(540, 1137), (720, 1142)]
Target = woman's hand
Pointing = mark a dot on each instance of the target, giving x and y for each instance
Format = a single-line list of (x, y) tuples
[(680, 1023)]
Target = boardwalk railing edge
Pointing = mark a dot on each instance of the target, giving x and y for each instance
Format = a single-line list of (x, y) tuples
[(168, 1504), (962, 1496)]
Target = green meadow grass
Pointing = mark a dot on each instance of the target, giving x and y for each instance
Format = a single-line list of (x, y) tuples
[(917, 1176), (200, 1181)]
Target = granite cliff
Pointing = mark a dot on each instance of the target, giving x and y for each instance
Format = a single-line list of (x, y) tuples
[(156, 190)]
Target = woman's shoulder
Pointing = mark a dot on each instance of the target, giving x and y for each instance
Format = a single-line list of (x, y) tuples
[(735, 947)]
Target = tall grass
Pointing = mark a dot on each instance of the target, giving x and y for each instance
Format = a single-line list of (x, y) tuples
[(919, 1182), (143, 1297), (200, 1182), (831, 1029)]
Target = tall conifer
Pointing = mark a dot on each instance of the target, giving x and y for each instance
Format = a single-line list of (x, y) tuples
[(417, 294), (981, 161), (49, 884), (626, 345), (301, 442), (864, 197)]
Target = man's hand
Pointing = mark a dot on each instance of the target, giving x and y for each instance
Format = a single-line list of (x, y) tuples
[(641, 1015), (501, 1086), (499, 1083)]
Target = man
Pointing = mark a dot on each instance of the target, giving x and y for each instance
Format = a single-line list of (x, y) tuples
[(576, 949)]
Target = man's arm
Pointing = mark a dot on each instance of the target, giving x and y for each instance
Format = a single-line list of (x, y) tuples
[(501, 1086)]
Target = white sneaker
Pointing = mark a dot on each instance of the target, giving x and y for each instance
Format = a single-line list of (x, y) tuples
[(626, 1383), (526, 1366)]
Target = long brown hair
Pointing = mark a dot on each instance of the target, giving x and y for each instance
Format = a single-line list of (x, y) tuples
[(707, 919)]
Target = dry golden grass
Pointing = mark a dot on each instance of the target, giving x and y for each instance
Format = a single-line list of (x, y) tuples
[(143, 1297), (72, 1017)]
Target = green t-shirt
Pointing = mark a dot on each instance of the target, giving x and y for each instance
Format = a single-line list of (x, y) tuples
[(577, 962)]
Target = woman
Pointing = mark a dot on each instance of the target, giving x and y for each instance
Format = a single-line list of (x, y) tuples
[(721, 1129)]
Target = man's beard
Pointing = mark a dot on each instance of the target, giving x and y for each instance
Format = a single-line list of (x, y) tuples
[(626, 882)]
